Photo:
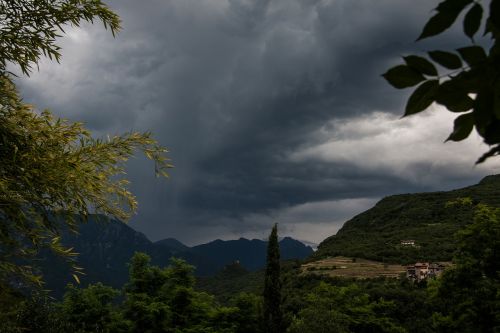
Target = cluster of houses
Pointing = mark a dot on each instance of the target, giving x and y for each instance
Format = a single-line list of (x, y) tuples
[(423, 270)]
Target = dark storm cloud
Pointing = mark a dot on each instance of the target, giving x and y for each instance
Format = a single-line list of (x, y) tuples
[(250, 96)]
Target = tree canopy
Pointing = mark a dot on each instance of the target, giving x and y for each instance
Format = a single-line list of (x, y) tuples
[(29, 28), (273, 315), (466, 80), (52, 171), (468, 295)]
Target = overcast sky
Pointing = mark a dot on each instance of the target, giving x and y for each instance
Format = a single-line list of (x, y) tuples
[(274, 111)]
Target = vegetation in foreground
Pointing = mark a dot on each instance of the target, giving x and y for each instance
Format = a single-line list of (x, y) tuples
[(466, 298), (53, 170)]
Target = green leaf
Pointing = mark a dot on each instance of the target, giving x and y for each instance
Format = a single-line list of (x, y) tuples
[(463, 126), (453, 6), (483, 110), (447, 14), (472, 20), (422, 97), (446, 59), (403, 76), (456, 102), (492, 152), (473, 55), (494, 51), (421, 64), (492, 133), (452, 95), (494, 18), (496, 101), (467, 81), (437, 24)]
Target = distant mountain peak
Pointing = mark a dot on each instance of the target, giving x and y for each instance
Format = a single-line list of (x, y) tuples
[(105, 246), (250, 254), (172, 243)]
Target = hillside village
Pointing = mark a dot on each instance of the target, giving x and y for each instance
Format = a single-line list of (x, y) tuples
[(423, 270), (364, 269)]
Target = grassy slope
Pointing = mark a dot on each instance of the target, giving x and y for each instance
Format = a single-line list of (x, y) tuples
[(376, 234)]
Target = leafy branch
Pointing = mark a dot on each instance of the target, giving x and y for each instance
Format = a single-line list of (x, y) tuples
[(29, 29), (53, 174), (473, 86)]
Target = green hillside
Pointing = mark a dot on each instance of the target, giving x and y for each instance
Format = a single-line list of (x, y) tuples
[(424, 217)]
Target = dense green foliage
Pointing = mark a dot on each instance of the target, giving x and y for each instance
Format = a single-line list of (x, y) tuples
[(343, 309), (30, 28), (466, 298), (52, 169), (468, 295), (163, 300), (319, 303), (273, 316), (231, 280), (154, 300), (470, 81), (90, 309), (428, 218)]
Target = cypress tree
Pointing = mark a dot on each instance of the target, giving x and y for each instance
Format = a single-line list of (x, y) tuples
[(273, 316)]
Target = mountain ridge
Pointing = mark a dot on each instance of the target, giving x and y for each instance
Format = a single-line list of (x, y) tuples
[(105, 246), (426, 218)]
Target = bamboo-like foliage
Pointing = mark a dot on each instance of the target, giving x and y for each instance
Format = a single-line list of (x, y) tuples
[(29, 28), (52, 170), (53, 173)]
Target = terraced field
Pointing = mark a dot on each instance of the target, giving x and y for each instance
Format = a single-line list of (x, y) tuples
[(353, 268)]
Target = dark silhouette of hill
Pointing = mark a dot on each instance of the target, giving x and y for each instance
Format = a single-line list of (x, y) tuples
[(251, 254), (105, 246), (171, 244)]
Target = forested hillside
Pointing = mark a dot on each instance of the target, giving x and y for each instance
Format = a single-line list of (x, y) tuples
[(156, 299), (430, 219)]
